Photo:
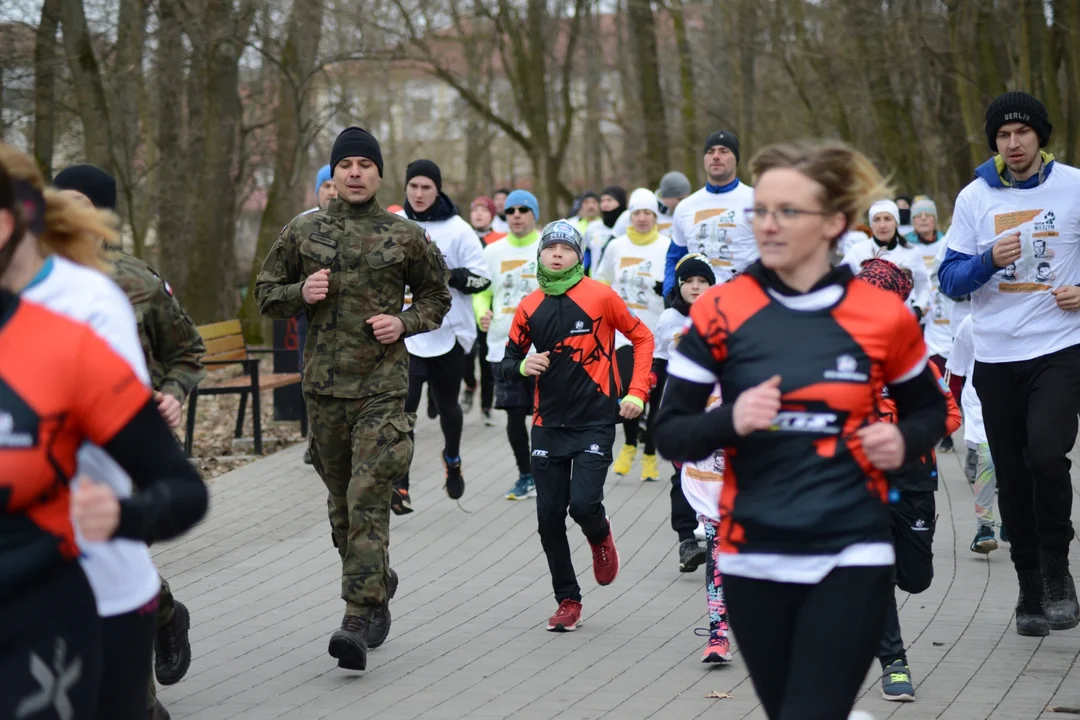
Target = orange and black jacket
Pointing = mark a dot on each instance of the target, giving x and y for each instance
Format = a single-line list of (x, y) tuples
[(61, 385), (920, 474), (805, 485), (581, 387)]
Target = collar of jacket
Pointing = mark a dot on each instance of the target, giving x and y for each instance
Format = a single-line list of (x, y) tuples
[(340, 208)]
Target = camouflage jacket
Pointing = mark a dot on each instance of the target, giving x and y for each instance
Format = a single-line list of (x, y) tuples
[(372, 256), (170, 342)]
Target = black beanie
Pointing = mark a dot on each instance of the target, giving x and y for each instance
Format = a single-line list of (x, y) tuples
[(724, 139), (91, 181), (424, 168), (356, 142), (1017, 107), (694, 265)]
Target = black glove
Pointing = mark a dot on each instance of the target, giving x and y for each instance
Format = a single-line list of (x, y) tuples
[(465, 281), (658, 288)]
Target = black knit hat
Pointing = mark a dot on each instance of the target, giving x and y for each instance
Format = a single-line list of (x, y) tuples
[(424, 168), (356, 142), (694, 265), (724, 139), (1017, 107), (93, 182)]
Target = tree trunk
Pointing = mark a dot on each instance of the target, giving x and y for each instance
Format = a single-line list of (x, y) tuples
[(89, 90), (691, 139), (594, 157), (644, 44), (748, 52), (173, 188), (963, 71), (1067, 18), (294, 133), (127, 76), (213, 294)]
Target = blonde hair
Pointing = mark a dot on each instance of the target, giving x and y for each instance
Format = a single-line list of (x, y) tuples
[(71, 230), (850, 182)]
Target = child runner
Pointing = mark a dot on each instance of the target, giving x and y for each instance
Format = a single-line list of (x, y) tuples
[(571, 320), (912, 510), (693, 276), (960, 365), (633, 265)]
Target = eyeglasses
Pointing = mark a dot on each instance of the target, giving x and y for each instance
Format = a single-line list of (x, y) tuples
[(518, 210), (783, 217)]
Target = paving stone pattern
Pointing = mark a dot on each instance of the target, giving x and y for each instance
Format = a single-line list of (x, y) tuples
[(261, 579)]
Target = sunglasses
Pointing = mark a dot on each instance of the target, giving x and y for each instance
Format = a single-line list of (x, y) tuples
[(518, 210)]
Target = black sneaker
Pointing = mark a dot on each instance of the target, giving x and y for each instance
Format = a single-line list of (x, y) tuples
[(1059, 597), (455, 483), (691, 556), (400, 502), (1030, 616), (379, 629), (349, 643), (947, 444), (172, 652)]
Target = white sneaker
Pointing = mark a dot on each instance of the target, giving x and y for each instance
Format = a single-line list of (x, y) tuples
[(860, 715), (699, 533)]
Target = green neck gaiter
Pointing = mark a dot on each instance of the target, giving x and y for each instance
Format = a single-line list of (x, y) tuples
[(557, 282)]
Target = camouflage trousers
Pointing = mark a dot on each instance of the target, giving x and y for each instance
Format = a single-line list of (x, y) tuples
[(359, 447)]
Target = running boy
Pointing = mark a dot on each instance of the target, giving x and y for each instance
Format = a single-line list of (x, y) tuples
[(571, 320), (913, 510)]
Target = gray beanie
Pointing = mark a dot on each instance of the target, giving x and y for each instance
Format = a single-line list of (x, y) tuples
[(674, 185)]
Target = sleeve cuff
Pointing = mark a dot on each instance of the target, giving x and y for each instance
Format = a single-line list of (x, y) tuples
[(521, 369), (635, 400)]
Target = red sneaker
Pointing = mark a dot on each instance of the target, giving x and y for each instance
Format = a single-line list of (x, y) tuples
[(605, 559), (567, 618)]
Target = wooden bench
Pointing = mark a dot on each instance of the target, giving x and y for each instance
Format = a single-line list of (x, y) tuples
[(224, 347)]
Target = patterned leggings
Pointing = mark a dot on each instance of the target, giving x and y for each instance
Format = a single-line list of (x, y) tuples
[(983, 484), (714, 583)]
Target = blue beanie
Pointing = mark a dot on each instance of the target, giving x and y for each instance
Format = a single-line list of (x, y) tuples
[(322, 176), (525, 198)]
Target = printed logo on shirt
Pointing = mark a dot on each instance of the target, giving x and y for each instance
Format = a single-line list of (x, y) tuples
[(920, 526), (517, 280), (594, 449), (540, 453), (825, 423), (18, 421), (635, 284), (581, 328), (847, 368)]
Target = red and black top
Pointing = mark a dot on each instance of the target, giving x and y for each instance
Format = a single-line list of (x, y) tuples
[(804, 486), (581, 386), (60, 386)]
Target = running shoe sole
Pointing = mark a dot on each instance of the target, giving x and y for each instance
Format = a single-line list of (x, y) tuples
[(348, 655), (559, 627), (985, 547), (903, 697), (715, 658)]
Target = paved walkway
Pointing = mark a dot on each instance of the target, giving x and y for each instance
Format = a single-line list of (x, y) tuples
[(261, 580)]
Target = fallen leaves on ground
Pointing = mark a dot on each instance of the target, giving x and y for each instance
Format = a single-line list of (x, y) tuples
[(714, 695), (215, 421)]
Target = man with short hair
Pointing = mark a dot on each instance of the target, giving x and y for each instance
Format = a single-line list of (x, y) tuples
[(499, 224), (438, 357), (712, 221), (347, 268), (1021, 212)]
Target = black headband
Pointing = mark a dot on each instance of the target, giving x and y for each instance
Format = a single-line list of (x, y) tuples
[(33, 205)]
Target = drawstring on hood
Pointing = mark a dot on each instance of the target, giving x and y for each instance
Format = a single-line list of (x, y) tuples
[(997, 175)]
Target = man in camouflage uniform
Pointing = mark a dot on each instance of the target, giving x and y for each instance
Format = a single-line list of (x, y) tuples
[(173, 350), (347, 267)]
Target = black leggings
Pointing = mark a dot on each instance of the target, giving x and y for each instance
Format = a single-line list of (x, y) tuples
[(624, 359), (517, 432), (443, 376), (808, 647), (127, 643), (487, 379), (50, 628)]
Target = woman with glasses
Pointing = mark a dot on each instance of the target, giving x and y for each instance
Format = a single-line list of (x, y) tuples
[(888, 244), (803, 351)]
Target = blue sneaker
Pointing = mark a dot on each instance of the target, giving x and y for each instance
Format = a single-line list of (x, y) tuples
[(984, 541), (896, 682), (523, 489)]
